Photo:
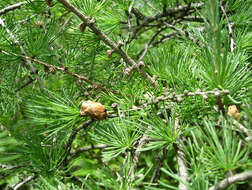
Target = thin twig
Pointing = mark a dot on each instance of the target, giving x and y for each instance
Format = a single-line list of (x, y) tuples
[(12, 7), (25, 84), (180, 155), (62, 69), (135, 159), (148, 45), (90, 22), (76, 153), (156, 173), (179, 98), (225, 183), (71, 139), (243, 129), (168, 13), (230, 30), (26, 180), (33, 70)]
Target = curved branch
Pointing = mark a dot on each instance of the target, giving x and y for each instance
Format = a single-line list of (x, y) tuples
[(12, 7), (231, 180)]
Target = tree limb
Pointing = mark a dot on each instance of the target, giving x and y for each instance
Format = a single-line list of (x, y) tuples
[(90, 22), (223, 184), (12, 7)]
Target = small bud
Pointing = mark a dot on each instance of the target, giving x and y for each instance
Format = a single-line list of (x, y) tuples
[(39, 23), (52, 70), (127, 71), (141, 64), (86, 93), (179, 99), (83, 27), (205, 96), (185, 92), (109, 53), (216, 93), (120, 43), (114, 105), (79, 82), (216, 108), (198, 91)]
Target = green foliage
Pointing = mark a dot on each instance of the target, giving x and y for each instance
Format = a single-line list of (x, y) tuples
[(153, 109), (119, 136), (53, 113)]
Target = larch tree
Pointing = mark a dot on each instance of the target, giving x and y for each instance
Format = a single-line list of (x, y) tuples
[(125, 94)]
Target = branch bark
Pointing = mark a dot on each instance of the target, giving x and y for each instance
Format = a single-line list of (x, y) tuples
[(90, 22), (182, 169), (12, 7), (231, 180), (32, 69), (71, 139)]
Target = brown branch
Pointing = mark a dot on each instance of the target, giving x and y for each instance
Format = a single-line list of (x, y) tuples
[(165, 37), (225, 183), (12, 7), (86, 148), (25, 84), (138, 14), (53, 69), (90, 22), (143, 52), (71, 139), (168, 13)]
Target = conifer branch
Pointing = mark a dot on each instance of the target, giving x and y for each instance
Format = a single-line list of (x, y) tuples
[(71, 139), (135, 159), (225, 183), (181, 160), (12, 7), (90, 22), (53, 69), (229, 26), (26, 180), (179, 98), (173, 12), (156, 174), (31, 67), (243, 129), (25, 84)]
